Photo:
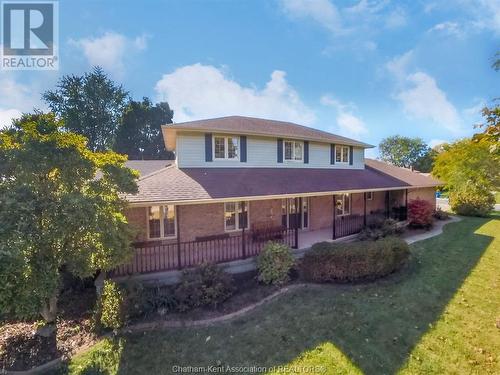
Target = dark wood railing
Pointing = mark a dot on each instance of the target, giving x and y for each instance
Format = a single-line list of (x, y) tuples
[(157, 257), (347, 225)]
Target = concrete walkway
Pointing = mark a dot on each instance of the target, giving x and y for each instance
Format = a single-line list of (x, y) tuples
[(436, 230)]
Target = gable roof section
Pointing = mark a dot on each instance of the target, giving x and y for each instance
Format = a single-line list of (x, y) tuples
[(172, 184), (406, 175), (146, 167), (256, 126)]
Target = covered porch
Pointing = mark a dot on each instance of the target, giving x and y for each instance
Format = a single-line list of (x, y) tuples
[(298, 222)]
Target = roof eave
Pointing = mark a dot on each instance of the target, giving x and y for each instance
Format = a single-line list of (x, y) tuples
[(170, 134)]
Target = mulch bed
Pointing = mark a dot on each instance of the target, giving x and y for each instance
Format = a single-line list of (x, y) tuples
[(248, 291), (21, 348)]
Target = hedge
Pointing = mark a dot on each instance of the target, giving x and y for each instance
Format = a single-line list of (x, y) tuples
[(346, 262)]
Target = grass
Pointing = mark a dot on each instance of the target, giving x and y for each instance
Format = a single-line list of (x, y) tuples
[(437, 316)]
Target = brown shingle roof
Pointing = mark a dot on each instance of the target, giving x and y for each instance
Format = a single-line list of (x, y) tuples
[(146, 167), (410, 177), (172, 184), (257, 126)]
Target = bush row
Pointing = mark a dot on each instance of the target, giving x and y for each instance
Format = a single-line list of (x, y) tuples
[(344, 262)]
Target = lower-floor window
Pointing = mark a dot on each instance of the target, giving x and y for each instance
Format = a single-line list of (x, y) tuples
[(369, 195), (235, 215), (292, 216), (161, 221), (343, 204)]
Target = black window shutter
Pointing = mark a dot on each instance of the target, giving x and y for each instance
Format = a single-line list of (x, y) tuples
[(280, 150), (332, 154), (208, 147), (350, 155), (306, 152), (243, 148)]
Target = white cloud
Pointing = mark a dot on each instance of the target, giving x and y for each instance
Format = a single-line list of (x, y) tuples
[(321, 11), (204, 91), (348, 124), (110, 50), (424, 100), (449, 28), (420, 95), (16, 98), (436, 142), (396, 18), (7, 115), (475, 110)]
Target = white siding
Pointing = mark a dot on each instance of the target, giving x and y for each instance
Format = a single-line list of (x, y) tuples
[(261, 152)]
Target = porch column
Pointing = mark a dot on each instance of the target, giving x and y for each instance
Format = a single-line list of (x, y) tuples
[(406, 204), (364, 209), (387, 213), (334, 235), (243, 244), (177, 224), (297, 222)]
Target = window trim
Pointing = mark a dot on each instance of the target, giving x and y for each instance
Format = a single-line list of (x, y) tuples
[(226, 147), (344, 213), (341, 154), (293, 160), (237, 218), (369, 195), (162, 227)]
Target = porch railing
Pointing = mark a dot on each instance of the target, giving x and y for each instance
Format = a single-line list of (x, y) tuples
[(158, 257)]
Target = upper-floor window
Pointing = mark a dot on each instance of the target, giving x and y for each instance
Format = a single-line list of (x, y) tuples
[(235, 215), (294, 150), (161, 221), (341, 154), (226, 147)]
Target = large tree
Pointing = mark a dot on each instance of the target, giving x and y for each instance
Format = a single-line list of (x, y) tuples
[(90, 105), (139, 135), (402, 151), (61, 207)]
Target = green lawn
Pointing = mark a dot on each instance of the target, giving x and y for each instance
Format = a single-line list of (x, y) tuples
[(437, 316)]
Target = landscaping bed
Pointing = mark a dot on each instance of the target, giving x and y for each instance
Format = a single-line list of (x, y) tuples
[(21, 348)]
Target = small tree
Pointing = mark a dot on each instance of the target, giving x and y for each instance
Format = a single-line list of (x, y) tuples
[(472, 200), (420, 213), (60, 206)]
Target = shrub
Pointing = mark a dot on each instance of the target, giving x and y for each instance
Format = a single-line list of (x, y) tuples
[(142, 301), (420, 213), (206, 284), (345, 262), (439, 214), (472, 201), (380, 228), (274, 263), (110, 308)]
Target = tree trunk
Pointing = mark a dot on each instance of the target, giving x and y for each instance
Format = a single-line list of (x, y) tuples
[(49, 310)]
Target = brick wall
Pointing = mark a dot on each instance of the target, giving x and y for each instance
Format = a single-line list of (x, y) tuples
[(137, 218), (200, 220), (321, 212), (265, 213), (428, 194)]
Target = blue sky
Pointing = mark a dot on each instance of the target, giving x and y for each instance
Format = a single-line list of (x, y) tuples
[(364, 69)]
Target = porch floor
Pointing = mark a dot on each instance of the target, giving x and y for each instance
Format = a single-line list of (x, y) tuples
[(307, 238)]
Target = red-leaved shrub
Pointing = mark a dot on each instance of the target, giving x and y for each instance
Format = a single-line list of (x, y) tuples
[(420, 213)]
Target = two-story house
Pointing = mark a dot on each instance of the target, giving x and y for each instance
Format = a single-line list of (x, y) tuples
[(238, 182)]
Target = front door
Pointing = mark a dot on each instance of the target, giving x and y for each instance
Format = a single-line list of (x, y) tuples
[(293, 215)]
